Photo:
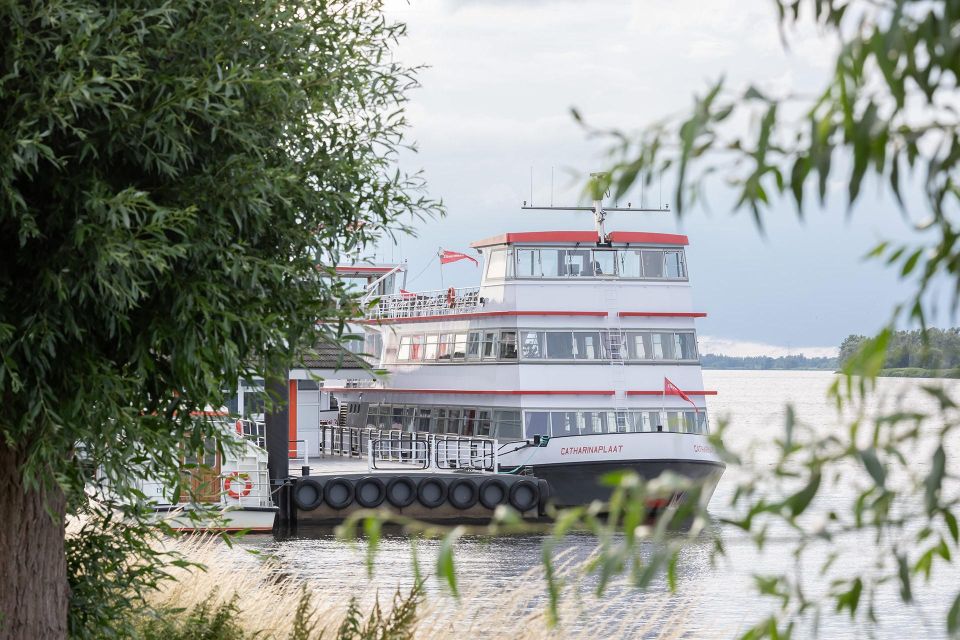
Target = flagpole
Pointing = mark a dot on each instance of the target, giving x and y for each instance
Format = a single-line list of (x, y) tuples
[(440, 257)]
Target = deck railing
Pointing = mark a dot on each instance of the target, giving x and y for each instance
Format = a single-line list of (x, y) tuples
[(426, 303), (396, 447)]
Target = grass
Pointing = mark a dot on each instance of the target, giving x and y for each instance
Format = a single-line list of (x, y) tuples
[(235, 598)]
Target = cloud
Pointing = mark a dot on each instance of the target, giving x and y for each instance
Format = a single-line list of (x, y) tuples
[(742, 348)]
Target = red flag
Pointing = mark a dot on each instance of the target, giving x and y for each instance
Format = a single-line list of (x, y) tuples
[(452, 256), (407, 294), (670, 389)]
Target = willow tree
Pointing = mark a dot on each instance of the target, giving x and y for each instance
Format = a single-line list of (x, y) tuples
[(171, 176)]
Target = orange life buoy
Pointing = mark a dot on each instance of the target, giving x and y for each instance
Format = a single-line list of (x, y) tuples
[(452, 297), (247, 484)]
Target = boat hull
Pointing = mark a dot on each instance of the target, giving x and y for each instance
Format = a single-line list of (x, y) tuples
[(233, 519), (574, 466), (573, 484)]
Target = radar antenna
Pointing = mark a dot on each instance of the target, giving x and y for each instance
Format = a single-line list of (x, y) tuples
[(599, 211)]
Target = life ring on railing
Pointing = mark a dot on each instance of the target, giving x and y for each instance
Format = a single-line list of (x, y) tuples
[(247, 485), (451, 297)]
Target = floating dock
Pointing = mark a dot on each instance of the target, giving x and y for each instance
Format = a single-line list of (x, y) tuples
[(430, 477)]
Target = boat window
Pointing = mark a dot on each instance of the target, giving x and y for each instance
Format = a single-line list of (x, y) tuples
[(430, 348), (453, 421), (473, 345), (586, 345), (594, 421), (396, 418), (536, 423), (408, 415), (528, 263), (675, 422), (508, 345), (489, 344), (469, 422), (629, 263), (688, 346), (507, 425), (440, 425), (550, 261), (622, 422), (560, 345), (666, 345), (564, 423), (657, 346), (604, 263), (484, 426), (459, 346), (674, 264), (532, 344), (576, 262), (423, 419), (652, 263), (406, 351), (445, 347), (497, 265)]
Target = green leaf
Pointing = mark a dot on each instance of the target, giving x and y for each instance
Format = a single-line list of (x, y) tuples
[(953, 618), (446, 568), (934, 479), (873, 466), (903, 571)]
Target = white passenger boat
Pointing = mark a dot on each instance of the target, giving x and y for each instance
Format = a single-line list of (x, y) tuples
[(577, 352), (232, 488)]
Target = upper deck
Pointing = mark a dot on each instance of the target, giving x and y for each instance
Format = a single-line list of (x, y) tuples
[(548, 258)]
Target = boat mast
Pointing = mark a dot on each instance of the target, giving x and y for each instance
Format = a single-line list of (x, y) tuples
[(599, 211)]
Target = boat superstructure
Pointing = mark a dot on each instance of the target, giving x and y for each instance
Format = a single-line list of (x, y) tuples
[(566, 354)]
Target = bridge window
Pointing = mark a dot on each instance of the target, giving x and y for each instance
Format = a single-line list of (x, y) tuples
[(587, 345), (445, 347), (430, 348), (508, 345), (489, 345), (651, 263), (507, 425), (497, 265), (532, 344)]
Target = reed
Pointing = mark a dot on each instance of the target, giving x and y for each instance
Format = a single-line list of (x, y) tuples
[(264, 601)]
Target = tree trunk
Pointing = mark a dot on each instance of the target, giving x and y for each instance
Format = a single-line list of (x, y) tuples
[(34, 595)]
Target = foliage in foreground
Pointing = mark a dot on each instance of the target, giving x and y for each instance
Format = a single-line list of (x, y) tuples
[(176, 181), (214, 619)]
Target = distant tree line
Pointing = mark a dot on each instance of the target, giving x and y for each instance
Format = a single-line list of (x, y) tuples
[(715, 361), (939, 349)]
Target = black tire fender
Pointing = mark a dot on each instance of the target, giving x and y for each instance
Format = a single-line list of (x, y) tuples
[(431, 492), (408, 495), (362, 488), (493, 493), (338, 493), (307, 494), (524, 495), (462, 493)]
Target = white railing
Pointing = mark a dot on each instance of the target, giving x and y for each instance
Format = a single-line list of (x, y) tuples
[(426, 303)]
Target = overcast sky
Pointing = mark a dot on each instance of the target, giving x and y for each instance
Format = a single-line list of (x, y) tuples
[(496, 101)]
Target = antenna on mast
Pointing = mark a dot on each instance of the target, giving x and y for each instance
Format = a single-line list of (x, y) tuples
[(599, 211)]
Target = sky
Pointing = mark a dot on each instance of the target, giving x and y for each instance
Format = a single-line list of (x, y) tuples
[(500, 80)]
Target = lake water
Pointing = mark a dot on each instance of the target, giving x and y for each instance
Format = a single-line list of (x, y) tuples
[(711, 600)]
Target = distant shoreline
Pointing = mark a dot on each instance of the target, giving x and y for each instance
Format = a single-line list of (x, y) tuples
[(917, 372)]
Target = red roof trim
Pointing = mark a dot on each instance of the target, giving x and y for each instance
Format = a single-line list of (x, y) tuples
[(662, 314), (660, 393), (486, 314), (476, 392), (588, 237)]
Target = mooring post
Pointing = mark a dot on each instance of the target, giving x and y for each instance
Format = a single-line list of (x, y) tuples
[(277, 420)]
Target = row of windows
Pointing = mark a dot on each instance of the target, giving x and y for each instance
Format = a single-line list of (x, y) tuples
[(531, 262), (525, 344), (505, 424), (571, 423)]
